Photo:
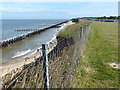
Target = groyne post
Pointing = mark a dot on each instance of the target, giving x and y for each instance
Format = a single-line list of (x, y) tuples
[(45, 66)]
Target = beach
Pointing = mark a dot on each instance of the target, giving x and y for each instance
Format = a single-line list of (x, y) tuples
[(19, 65), (8, 68)]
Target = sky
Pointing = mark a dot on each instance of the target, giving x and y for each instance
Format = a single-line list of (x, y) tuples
[(57, 10)]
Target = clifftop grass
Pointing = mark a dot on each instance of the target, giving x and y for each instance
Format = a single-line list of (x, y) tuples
[(91, 71), (70, 30), (101, 48)]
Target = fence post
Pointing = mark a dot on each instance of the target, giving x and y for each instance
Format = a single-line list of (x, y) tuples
[(81, 34), (45, 66), (85, 31)]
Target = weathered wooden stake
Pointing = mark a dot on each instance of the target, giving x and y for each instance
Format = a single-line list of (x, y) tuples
[(45, 66), (81, 34)]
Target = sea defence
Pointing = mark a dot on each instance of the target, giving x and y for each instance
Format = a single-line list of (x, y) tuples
[(11, 41)]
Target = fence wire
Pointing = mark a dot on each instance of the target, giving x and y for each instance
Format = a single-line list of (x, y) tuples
[(62, 61)]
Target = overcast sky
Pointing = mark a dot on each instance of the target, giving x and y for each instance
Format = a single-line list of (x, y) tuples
[(57, 10)]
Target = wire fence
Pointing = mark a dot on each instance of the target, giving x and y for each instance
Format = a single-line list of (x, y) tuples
[(55, 68)]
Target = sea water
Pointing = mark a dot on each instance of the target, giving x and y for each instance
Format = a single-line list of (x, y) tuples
[(29, 45)]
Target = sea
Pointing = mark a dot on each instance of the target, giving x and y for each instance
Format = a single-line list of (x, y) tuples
[(28, 46)]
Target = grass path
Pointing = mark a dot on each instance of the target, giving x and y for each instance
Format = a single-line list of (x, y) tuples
[(101, 48)]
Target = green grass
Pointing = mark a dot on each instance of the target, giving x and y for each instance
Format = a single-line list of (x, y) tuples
[(101, 48), (70, 30)]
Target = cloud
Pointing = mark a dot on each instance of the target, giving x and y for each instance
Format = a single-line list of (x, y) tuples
[(58, 9), (32, 7), (36, 15), (59, 0)]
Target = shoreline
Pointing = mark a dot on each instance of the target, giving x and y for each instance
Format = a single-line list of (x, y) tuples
[(27, 51), (19, 64), (13, 40)]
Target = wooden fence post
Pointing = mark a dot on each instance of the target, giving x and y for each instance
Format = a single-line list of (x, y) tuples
[(81, 34), (45, 66)]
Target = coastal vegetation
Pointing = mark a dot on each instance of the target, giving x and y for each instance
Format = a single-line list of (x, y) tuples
[(111, 17), (71, 30), (101, 48), (105, 17), (78, 65)]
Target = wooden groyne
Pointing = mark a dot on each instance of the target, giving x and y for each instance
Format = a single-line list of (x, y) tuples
[(32, 29), (26, 29), (62, 57), (11, 41)]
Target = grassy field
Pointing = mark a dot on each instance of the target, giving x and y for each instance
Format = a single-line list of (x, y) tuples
[(101, 48)]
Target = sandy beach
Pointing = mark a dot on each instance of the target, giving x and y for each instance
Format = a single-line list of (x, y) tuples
[(18, 65)]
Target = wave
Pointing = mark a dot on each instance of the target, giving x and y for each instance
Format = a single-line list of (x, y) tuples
[(33, 52), (63, 26), (4, 40), (22, 53), (54, 40)]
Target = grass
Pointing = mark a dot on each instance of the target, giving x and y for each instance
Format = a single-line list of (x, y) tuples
[(101, 48), (70, 30), (92, 70)]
